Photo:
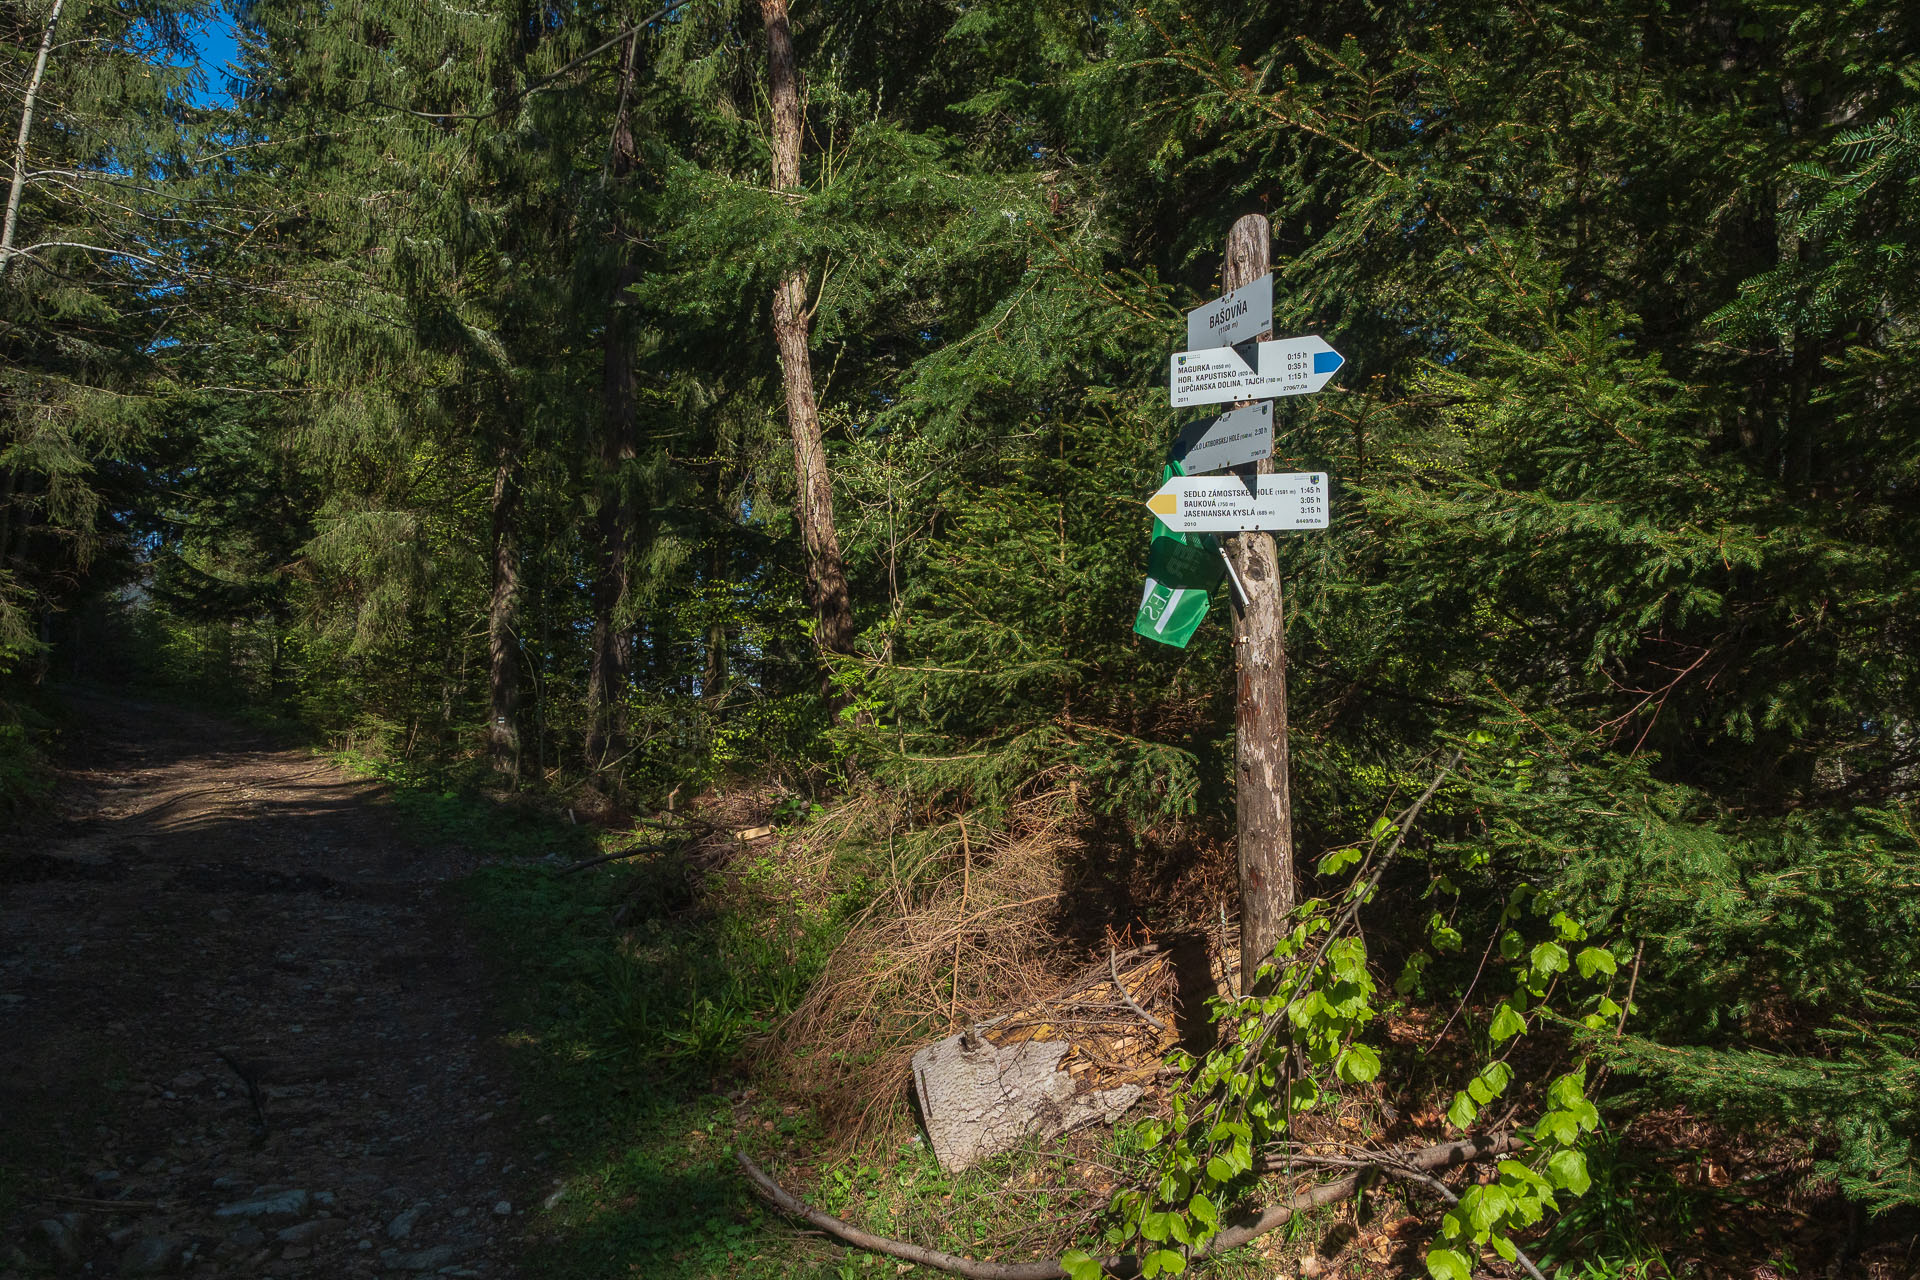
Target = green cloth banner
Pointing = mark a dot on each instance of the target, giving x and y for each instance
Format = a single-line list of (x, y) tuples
[(1182, 571)]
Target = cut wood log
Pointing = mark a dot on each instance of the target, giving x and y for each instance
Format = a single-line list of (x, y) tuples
[(1081, 1057), (981, 1099)]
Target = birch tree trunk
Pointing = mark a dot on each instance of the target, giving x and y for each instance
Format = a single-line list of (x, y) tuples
[(826, 579), (18, 184)]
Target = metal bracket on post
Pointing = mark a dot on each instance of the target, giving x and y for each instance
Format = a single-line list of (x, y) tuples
[(1233, 576)]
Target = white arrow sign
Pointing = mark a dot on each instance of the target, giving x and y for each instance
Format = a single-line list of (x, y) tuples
[(1240, 315), (1224, 504), (1290, 367), (1230, 440)]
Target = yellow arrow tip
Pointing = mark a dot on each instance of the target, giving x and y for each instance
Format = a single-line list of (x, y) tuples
[(1164, 504)]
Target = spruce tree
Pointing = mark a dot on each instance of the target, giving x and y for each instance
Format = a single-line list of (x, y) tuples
[(98, 223)]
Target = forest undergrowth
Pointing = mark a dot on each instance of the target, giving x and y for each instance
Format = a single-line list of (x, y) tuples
[(675, 993)]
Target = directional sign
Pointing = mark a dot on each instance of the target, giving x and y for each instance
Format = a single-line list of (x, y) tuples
[(1225, 504), (1230, 440), (1220, 375), (1240, 315)]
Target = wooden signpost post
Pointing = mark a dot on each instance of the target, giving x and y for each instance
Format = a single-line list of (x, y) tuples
[(1264, 836), (984, 1090), (1231, 358)]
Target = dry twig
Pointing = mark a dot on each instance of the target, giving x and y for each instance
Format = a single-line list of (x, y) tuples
[(1395, 1170), (636, 852), (1113, 967)]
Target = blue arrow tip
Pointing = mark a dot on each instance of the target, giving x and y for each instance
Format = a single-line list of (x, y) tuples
[(1327, 361)]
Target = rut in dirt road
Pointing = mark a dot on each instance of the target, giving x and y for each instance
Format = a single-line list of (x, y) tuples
[(241, 1031)]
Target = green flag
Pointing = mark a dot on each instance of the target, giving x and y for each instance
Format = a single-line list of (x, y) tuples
[(1182, 571)]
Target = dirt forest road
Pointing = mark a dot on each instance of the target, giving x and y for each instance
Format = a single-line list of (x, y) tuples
[(241, 1031)]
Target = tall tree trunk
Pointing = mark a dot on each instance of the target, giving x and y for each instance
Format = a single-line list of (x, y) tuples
[(1265, 837), (611, 645), (18, 184), (503, 666), (826, 579), (713, 676), (9, 478)]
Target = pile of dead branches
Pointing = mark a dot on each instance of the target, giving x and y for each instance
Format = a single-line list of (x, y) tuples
[(956, 931)]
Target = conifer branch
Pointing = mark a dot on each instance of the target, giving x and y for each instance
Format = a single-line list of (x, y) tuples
[(544, 82)]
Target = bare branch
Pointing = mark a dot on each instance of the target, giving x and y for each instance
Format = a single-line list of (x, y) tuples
[(1433, 1184), (10, 253), (1249, 1227), (1113, 967)]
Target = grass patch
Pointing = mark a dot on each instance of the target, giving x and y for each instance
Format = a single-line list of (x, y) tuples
[(440, 807), (640, 1042), (629, 1038), (630, 991)]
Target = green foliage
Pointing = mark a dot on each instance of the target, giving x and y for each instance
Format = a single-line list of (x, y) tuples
[(107, 206), (24, 776), (1743, 921), (1291, 1046), (670, 998)]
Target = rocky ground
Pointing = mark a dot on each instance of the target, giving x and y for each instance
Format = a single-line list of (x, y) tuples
[(241, 1030)]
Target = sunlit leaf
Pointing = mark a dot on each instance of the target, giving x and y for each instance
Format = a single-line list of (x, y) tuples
[(1592, 960), (1080, 1266), (1506, 1023), (1568, 1170), (1358, 1064)]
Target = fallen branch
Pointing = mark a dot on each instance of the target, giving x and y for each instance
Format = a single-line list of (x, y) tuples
[(1393, 1170), (570, 868), (93, 1204), (1248, 1227), (250, 1074), (687, 827)]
